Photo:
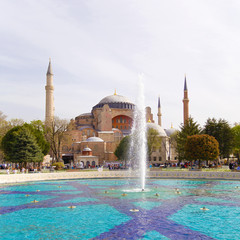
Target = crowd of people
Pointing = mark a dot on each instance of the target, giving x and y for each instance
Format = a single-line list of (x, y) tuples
[(17, 169), (233, 166)]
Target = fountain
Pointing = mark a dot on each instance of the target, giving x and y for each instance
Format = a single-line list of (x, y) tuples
[(82, 203), (138, 149)]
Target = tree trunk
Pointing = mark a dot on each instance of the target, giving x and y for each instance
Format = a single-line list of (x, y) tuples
[(199, 164)]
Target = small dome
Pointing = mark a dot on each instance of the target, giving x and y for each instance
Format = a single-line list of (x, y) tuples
[(87, 149), (94, 139), (170, 131), (115, 99), (158, 128)]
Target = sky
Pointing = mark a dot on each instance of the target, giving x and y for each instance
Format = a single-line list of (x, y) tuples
[(99, 46)]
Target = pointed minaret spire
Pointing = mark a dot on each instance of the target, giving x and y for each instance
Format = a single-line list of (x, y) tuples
[(185, 103), (159, 113), (49, 71), (49, 115), (185, 84)]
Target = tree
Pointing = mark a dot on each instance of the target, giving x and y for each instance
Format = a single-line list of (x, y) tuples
[(236, 142), (188, 129), (20, 146), (201, 147), (3, 129), (154, 141), (38, 124), (122, 149), (172, 143), (5, 126), (221, 130), (55, 135), (16, 122), (37, 130)]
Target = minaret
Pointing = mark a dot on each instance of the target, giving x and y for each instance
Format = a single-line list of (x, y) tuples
[(159, 113), (49, 116), (185, 103)]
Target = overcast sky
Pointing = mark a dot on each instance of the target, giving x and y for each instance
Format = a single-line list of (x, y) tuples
[(97, 46)]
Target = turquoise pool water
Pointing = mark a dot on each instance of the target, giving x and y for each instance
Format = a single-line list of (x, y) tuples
[(117, 209)]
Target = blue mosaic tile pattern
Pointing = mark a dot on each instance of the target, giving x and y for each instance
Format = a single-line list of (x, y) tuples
[(36, 187), (212, 199), (147, 204), (19, 199), (154, 235), (65, 225), (79, 199), (103, 210), (215, 222)]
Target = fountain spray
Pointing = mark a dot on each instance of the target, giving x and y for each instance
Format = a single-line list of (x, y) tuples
[(138, 139)]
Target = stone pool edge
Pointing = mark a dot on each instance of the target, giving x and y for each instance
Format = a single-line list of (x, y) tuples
[(17, 178)]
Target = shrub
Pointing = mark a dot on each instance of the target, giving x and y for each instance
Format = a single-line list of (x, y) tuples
[(58, 165)]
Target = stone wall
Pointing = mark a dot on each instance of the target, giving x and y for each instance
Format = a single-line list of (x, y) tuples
[(14, 178)]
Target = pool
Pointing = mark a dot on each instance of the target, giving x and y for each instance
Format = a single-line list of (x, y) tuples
[(117, 209)]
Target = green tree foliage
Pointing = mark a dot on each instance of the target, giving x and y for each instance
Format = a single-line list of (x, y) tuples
[(58, 165), (222, 131), (172, 143), (20, 146), (16, 122), (201, 147), (154, 141), (188, 129), (5, 126), (236, 142), (122, 149), (38, 124), (37, 130)]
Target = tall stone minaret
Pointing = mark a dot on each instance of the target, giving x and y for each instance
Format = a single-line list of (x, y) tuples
[(159, 113), (185, 103), (49, 116)]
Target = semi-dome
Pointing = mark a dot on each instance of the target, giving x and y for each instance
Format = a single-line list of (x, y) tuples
[(85, 115), (157, 128), (170, 131), (94, 139), (115, 101)]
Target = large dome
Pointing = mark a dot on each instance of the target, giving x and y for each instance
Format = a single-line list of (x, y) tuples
[(115, 101), (158, 128)]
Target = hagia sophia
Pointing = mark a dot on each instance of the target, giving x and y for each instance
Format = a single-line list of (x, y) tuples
[(93, 137)]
